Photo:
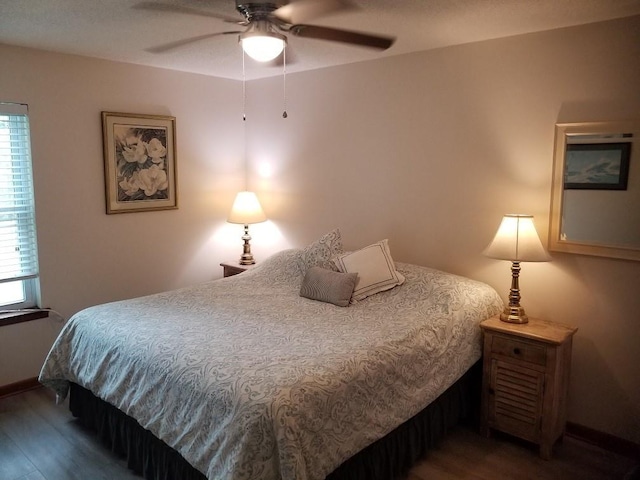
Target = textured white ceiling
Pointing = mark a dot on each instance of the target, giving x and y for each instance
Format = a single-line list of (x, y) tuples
[(112, 29)]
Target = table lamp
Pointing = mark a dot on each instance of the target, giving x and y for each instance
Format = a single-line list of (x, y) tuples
[(246, 210), (517, 241)]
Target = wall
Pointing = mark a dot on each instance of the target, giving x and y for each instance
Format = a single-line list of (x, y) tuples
[(431, 149), (86, 256), (428, 149)]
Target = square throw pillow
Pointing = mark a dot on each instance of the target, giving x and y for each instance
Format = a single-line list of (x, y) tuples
[(375, 268), (320, 252), (328, 286)]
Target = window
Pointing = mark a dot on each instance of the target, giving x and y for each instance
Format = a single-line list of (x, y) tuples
[(18, 247)]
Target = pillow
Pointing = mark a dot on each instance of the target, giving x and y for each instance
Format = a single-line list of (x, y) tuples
[(328, 286), (375, 268), (319, 253)]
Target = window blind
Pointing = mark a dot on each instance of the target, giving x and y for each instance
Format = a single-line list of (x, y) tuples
[(18, 247)]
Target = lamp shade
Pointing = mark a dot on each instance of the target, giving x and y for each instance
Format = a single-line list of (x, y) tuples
[(246, 209), (262, 46), (517, 240)]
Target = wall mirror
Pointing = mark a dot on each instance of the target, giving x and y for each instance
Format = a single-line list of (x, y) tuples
[(595, 200)]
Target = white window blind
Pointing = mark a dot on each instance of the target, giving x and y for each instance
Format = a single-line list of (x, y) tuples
[(18, 247)]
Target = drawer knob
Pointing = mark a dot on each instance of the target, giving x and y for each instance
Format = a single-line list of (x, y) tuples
[(516, 351)]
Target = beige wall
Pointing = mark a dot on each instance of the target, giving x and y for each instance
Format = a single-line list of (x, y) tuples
[(86, 256), (431, 149), (428, 150)]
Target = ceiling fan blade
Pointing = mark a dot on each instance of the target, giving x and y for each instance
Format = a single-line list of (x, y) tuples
[(305, 10), (344, 36), (165, 7), (180, 43)]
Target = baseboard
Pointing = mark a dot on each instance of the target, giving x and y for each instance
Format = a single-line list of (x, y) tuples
[(604, 440), (19, 387)]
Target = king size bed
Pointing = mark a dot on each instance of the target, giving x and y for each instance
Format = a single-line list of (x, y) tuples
[(243, 378)]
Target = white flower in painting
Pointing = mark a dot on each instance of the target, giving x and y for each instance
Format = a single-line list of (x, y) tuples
[(152, 180), (125, 136), (135, 153), (156, 150), (130, 185)]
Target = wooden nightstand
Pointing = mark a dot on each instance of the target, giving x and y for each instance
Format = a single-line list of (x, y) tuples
[(525, 377), (234, 268)]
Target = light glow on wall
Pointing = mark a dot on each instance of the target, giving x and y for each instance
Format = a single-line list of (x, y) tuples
[(265, 169)]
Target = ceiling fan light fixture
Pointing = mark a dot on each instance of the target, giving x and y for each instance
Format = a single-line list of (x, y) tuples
[(262, 46)]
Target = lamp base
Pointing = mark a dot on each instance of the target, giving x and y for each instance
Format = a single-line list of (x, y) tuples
[(514, 314), (246, 261), (246, 258)]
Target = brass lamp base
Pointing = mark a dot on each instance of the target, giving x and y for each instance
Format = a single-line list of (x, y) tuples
[(246, 258), (514, 315)]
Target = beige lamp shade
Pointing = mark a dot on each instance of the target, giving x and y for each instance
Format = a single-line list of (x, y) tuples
[(246, 209), (517, 240)]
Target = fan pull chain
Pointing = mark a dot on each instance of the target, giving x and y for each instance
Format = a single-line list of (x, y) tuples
[(244, 125), (244, 91), (284, 80)]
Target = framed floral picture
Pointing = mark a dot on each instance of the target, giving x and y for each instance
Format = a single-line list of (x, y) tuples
[(139, 162)]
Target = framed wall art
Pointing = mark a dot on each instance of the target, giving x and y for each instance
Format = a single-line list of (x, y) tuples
[(139, 162), (597, 166)]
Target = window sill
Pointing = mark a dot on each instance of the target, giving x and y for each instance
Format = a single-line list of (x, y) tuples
[(10, 318)]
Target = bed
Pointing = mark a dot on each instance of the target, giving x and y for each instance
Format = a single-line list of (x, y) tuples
[(242, 378)]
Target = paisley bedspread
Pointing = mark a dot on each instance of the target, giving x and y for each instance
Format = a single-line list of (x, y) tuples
[(248, 380)]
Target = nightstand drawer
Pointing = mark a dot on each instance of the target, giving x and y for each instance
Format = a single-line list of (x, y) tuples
[(527, 352)]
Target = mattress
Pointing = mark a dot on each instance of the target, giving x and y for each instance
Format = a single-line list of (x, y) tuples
[(248, 380)]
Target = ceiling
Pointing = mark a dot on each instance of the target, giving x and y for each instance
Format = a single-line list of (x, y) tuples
[(115, 30)]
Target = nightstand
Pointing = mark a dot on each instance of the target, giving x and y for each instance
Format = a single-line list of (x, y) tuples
[(234, 268), (525, 377)]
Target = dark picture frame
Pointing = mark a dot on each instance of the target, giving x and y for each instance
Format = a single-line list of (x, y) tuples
[(597, 166), (139, 162)]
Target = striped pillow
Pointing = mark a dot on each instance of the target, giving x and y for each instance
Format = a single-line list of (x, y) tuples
[(328, 286)]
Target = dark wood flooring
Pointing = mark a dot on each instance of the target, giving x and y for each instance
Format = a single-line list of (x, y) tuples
[(41, 441)]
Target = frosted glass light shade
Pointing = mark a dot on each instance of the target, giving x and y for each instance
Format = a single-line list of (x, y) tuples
[(246, 209), (262, 46), (517, 240)]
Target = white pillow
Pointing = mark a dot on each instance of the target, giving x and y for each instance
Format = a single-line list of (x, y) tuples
[(375, 268)]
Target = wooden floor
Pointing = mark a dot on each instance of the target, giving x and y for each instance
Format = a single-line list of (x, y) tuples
[(41, 441)]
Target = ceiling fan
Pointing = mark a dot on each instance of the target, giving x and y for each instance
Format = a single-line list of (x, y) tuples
[(268, 21)]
